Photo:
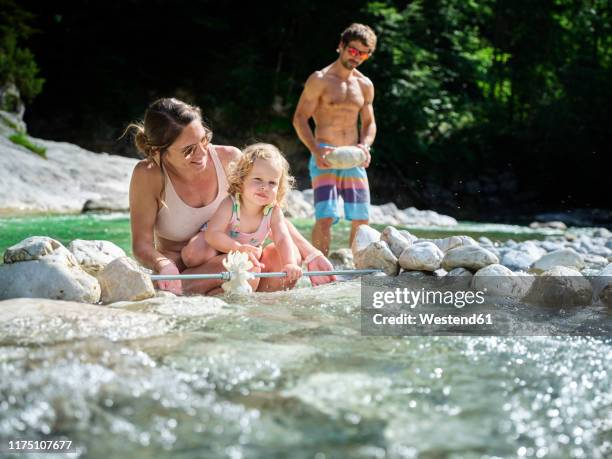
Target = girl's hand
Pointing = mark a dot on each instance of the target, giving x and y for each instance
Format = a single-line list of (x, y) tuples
[(294, 272), (173, 286), (253, 252)]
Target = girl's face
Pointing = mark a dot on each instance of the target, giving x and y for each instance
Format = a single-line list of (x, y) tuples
[(261, 184)]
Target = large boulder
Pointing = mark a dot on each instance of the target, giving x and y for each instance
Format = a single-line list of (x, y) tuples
[(395, 240), (468, 256), (497, 280), (378, 256), (602, 285), (41, 267), (123, 280), (564, 257), (93, 256), (560, 287), (422, 256)]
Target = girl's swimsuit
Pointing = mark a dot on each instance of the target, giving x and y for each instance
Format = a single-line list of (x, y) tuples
[(259, 236)]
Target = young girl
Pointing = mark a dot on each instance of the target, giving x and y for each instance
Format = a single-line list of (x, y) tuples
[(258, 184)]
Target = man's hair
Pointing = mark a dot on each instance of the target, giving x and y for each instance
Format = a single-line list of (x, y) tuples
[(360, 32)]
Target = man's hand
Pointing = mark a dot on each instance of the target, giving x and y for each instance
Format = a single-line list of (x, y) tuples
[(320, 153), (173, 286), (366, 150)]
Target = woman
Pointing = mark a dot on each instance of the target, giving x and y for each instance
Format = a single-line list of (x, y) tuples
[(177, 187)]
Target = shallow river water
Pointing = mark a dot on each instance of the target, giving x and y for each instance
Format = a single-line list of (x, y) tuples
[(288, 374)]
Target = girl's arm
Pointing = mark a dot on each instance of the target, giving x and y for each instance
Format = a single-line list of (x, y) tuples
[(216, 233), (284, 244)]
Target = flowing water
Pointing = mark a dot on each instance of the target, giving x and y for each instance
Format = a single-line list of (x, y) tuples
[(288, 374)]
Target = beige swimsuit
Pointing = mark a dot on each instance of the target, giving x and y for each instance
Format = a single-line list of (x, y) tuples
[(177, 221)]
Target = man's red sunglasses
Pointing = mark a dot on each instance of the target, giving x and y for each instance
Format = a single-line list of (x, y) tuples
[(354, 52)]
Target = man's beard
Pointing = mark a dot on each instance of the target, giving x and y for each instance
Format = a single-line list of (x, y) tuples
[(348, 65)]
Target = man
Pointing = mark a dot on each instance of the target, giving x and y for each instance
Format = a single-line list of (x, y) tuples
[(336, 97)]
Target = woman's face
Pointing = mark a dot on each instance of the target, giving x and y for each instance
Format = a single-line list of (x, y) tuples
[(189, 152)]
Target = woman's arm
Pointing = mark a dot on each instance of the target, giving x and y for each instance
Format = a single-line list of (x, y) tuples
[(145, 190)]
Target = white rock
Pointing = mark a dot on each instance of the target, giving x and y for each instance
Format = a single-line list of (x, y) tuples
[(497, 280), (395, 240), (93, 256), (422, 256), (41, 267), (346, 157), (364, 236), (451, 242), (468, 256), (560, 287), (42, 321), (565, 257), (377, 255), (413, 216), (518, 260), (408, 236), (123, 280)]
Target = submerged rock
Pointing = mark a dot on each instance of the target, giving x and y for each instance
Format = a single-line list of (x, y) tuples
[(40, 321), (560, 287), (602, 285)]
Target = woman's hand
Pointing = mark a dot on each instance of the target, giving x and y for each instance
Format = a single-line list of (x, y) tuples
[(294, 272), (173, 286), (320, 263)]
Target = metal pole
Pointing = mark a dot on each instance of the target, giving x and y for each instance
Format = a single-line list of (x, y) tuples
[(226, 275)]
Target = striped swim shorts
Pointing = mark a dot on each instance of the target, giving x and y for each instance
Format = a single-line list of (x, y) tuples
[(351, 184)]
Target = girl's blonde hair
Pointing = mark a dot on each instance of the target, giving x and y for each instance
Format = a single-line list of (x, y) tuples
[(241, 168)]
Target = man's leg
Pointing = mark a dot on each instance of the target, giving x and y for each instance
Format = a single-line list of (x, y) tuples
[(321, 234), (355, 191), (324, 185)]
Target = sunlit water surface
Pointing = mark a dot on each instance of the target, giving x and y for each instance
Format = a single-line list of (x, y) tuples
[(289, 374)]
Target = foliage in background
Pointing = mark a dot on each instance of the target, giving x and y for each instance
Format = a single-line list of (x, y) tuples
[(24, 141), (17, 64), (513, 93)]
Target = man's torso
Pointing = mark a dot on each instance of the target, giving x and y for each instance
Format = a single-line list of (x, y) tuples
[(338, 108)]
